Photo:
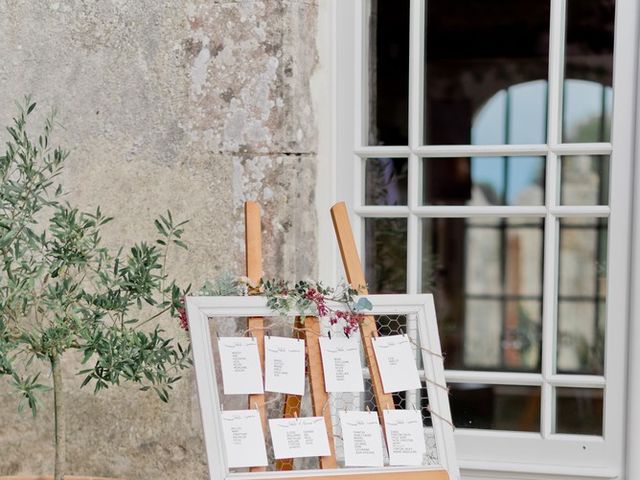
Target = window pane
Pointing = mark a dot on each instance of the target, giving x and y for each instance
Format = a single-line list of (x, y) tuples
[(486, 71), (582, 294), (388, 73), (386, 254), (484, 181), (486, 274), (584, 180), (579, 411), (588, 71), (386, 181), (496, 407)]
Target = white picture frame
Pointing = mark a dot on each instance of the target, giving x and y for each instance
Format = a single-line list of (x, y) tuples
[(201, 311)]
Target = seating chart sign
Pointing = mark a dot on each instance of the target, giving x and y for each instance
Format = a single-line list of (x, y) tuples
[(405, 437), (299, 437), (341, 364), (362, 439), (243, 438), (397, 363), (284, 365), (240, 364), (325, 411)]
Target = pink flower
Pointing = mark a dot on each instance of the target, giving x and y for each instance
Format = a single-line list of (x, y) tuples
[(182, 316)]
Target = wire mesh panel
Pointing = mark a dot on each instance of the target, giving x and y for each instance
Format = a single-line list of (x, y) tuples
[(389, 324)]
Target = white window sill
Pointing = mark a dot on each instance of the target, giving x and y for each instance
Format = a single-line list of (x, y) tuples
[(517, 471)]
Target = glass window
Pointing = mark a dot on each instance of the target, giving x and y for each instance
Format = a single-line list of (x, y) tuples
[(385, 181), (579, 410), (501, 219), (588, 71), (486, 276), (386, 249), (582, 295), (483, 181), (485, 70), (388, 73), (584, 180), (496, 407)]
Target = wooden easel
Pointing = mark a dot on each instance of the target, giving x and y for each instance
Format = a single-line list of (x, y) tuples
[(255, 325), (355, 277), (368, 330), (319, 396)]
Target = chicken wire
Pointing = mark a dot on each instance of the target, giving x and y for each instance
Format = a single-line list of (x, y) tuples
[(275, 402)]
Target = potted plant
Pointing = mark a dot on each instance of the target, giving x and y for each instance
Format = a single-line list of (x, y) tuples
[(62, 290)]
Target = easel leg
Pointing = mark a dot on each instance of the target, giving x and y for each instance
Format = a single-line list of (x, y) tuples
[(255, 325), (355, 277), (319, 397), (292, 403)]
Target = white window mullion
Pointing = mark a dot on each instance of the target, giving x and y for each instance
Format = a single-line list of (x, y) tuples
[(413, 231), (580, 210), (361, 114), (416, 107), (449, 151), (480, 211), (554, 135), (559, 211), (361, 76), (359, 182), (387, 151), (582, 148), (382, 211), (556, 71)]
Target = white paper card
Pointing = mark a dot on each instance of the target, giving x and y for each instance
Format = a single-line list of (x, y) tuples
[(341, 364), (405, 437), (362, 439), (243, 438), (240, 364), (397, 363), (284, 365), (299, 437)]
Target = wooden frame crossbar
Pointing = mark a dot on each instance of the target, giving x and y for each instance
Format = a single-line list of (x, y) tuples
[(420, 475)]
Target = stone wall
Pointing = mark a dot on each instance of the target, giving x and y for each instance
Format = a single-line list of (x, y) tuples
[(193, 106)]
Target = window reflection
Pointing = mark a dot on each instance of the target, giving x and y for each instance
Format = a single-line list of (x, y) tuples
[(517, 114), (388, 72), (496, 407), (486, 275), (587, 112), (484, 181), (582, 294), (588, 71), (386, 181), (385, 244), (579, 411), (476, 54), (584, 180)]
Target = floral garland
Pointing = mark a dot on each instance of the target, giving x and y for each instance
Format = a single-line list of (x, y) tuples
[(313, 298), (308, 297)]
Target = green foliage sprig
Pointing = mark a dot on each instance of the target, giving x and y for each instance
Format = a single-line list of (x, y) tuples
[(313, 298), (341, 304)]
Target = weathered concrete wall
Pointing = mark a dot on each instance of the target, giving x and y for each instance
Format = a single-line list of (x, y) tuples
[(194, 107)]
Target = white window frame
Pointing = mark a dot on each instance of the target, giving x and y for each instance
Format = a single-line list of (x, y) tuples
[(493, 454)]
